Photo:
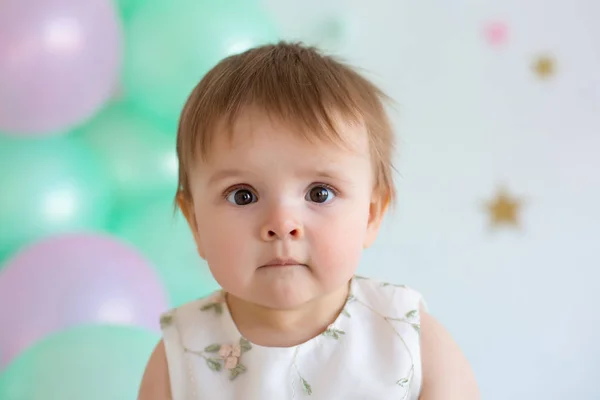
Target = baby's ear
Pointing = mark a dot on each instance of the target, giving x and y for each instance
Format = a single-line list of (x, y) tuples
[(377, 209), (186, 205)]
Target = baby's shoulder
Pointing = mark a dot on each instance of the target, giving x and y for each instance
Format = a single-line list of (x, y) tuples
[(183, 327)]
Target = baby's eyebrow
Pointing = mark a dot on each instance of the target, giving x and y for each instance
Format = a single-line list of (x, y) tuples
[(224, 174), (328, 174)]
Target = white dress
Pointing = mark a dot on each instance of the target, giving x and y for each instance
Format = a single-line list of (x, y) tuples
[(371, 351)]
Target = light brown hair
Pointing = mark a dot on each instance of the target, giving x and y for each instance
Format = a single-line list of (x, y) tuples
[(300, 86)]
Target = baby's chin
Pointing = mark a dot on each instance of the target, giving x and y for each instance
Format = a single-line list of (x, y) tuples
[(285, 287)]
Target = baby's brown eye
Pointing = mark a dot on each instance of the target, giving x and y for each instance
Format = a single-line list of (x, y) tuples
[(320, 194), (241, 197)]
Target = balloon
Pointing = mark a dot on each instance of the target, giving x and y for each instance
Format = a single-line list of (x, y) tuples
[(71, 280), (89, 362), (172, 44), (128, 7), (166, 239), (59, 61), (49, 185), (139, 155)]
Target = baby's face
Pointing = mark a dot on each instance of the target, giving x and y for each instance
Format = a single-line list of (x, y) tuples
[(270, 197)]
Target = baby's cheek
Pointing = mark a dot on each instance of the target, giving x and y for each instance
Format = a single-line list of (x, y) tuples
[(223, 243), (340, 243)]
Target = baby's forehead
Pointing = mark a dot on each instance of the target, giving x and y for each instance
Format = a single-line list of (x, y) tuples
[(255, 129)]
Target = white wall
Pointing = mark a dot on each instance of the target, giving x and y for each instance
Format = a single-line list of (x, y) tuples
[(523, 304)]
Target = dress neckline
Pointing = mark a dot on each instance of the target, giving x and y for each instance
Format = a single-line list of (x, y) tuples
[(338, 322)]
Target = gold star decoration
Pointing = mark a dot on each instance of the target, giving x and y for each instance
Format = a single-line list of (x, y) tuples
[(504, 209), (544, 67)]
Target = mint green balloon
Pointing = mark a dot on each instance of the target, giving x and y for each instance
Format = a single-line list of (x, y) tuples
[(49, 185), (172, 44), (166, 240), (128, 7), (138, 154), (90, 362)]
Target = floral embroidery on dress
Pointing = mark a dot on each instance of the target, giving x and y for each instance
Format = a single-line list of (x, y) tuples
[(306, 386), (166, 320), (225, 356), (349, 300), (384, 284), (216, 305), (406, 380), (228, 357), (333, 332), (409, 318)]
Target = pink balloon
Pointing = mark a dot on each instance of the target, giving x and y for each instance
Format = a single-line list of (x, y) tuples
[(71, 280), (59, 62)]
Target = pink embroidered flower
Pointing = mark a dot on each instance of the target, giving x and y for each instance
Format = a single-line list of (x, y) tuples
[(225, 351), (227, 357), (231, 363)]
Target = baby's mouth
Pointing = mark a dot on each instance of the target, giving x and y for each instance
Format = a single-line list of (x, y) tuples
[(283, 262)]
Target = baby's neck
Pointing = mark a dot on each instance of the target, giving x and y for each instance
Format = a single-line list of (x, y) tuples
[(286, 328)]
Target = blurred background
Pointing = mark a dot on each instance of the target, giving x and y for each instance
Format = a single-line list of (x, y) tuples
[(497, 114)]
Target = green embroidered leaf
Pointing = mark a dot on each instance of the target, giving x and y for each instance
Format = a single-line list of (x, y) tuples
[(397, 319), (359, 277), (241, 368), (166, 320), (384, 284), (213, 348), (213, 364), (417, 328), (351, 298), (306, 386), (235, 372), (218, 307), (334, 333), (402, 382), (245, 345), (346, 313), (411, 314)]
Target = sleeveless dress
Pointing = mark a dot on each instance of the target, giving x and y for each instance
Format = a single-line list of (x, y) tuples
[(371, 351)]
